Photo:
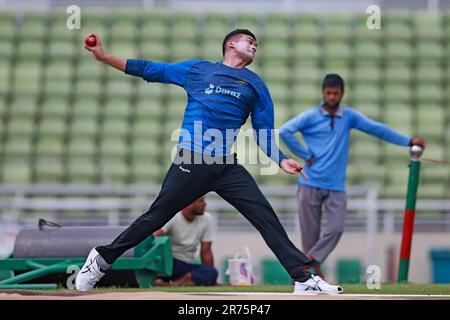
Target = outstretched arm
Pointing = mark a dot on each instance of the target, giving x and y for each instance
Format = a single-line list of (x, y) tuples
[(109, 59), (384, 132), (163, 72)]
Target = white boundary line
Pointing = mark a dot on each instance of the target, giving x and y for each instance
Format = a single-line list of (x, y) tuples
[(322, 295)]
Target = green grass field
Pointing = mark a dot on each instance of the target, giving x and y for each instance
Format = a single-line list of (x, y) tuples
[(413, 289)]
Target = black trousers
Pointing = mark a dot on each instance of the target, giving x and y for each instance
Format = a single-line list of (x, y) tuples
[(184, 183)]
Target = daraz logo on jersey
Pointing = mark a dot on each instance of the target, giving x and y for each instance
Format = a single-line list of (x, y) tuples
[(218, 89)]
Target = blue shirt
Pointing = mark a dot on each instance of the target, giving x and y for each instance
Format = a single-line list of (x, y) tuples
[(328, 140), (219, 101)]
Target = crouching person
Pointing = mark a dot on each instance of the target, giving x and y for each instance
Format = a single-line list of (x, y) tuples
[(187, 230)]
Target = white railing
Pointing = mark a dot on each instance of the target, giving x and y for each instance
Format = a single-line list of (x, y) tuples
[(114, 205), (120, 205)]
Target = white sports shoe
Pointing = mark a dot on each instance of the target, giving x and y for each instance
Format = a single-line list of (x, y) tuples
[(90, 274), (316, 285)]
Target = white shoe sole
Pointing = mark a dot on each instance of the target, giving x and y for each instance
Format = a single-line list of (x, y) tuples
[(315, 293), (307, 293)]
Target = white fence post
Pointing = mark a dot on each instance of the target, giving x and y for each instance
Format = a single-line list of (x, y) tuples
[(372, 226)]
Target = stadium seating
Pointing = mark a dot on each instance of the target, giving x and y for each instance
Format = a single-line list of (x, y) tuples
[(59, 106)]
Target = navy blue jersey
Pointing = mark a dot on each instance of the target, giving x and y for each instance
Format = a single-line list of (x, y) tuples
[(219, 101)]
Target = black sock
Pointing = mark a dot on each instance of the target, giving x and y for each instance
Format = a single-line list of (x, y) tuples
[(302, 274)]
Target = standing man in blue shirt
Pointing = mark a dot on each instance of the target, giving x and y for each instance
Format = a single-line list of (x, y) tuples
[(326, 131), (221, 96)]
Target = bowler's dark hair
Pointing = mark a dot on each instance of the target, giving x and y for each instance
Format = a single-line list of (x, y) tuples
[(232, 34), (333, 80)]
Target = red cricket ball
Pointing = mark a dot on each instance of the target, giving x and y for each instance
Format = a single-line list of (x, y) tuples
[(91, 40)]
